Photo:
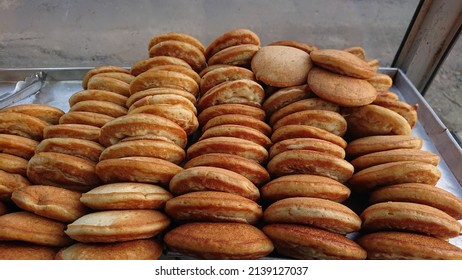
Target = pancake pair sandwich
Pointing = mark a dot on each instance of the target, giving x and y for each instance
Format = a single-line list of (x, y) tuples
[(167, 83), (103, 98), (406, 210)]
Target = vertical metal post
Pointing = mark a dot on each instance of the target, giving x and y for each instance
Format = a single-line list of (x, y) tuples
[(433, 31)]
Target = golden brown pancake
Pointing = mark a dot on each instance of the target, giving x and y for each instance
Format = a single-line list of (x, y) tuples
[(219, 241), (304, 242)]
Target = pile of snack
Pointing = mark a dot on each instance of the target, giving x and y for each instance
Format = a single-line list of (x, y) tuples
[(231, 151)]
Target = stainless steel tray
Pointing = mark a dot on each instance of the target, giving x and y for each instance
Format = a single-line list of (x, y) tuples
[(61, 83)]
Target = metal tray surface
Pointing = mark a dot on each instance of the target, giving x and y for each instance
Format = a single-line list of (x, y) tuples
[(61, 83)]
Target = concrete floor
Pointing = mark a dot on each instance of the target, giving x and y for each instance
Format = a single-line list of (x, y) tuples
[(56, 33)]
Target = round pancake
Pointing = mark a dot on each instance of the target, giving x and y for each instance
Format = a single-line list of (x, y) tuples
[(315, 212), (96, 94), (29, 227), (177, 113), (393, 173), (410, 217), (142, 125), (311, 163), (250, 169), (232, 38), (159, 91), (164, 78), (212, 206), (302, 185), (302, 105), (228, 145), (100, 107), (330, 121), (21, 124), (117, 225), (180, 49), (143, 249), (373, 120), (237, 119), (371, 144), (136, 169), (381, 82), (246, 92), (420, 193), (377, 158), (61, 170), (386, 96), (240, 131), (182, 37), (404, 109), (85, 149), (281, 66), (339, 89), (213, 67), (240, 55), (224, 109), (126, 195), (88, 118), (312, 144), (17, 145), (146, 64), (171, 99), (392, 245), (342, 62), (124, 77), (224, 74), (78, 131), (285, 96), (303, 242), (306, 131), (44, 112), (206, 178), (219, 241), (145, 148), (9, 182), (11, 250), (101, 69), (178, 68), (51, 202), (13, 164), (109, 84)]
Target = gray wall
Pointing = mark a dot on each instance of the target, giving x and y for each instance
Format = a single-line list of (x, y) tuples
[(51, 33)]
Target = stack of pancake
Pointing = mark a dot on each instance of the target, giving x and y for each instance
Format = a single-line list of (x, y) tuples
[(33, 217), (305, 217), (105, 90), (215, 204), (398, 179)]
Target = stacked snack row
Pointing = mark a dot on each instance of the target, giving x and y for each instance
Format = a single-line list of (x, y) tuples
[(143, 150), (399, 181), (216, 196), (383, 125), (305, 217), (22, 128)]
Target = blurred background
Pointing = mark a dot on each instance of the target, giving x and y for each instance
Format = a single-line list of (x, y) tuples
[(65, 33)]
